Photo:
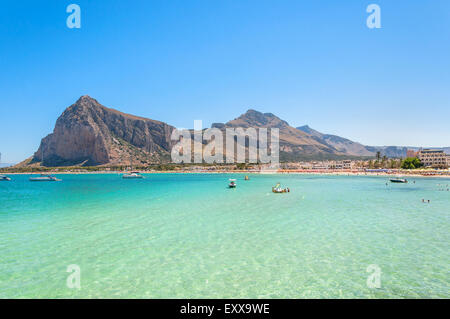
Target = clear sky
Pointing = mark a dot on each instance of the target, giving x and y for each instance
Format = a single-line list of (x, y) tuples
[(310, 62)]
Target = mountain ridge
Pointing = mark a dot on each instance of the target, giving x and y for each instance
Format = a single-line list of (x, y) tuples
[(91, 134), (359, 149), (292, 142), (345, 145)]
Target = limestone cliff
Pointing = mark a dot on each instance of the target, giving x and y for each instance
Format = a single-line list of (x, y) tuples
[(88, 133)]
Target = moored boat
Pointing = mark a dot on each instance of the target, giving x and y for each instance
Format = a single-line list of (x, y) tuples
[(4, 178), (277, 189), (398, 180), (132, 175), (44, 178), (232, 183)]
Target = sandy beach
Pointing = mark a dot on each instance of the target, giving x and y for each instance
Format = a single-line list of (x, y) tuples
[(410, 174)]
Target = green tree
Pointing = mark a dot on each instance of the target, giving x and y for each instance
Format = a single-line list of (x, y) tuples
[(393, 163), (378, 156), (411, 163)]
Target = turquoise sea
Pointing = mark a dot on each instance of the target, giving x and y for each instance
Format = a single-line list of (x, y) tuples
[(189, 236)]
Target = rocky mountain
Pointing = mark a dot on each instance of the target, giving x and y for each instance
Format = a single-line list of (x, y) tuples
[(342, 144), (390, 151), (88, 133), (356, 149), (294, 144)]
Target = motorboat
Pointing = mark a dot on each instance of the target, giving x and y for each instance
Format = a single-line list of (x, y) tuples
[(277, 189), (232, 183), (398, 180), (4, 178), (44, 178), (132, 175)]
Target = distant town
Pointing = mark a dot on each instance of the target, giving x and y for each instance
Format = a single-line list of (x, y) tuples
[(425, 162)]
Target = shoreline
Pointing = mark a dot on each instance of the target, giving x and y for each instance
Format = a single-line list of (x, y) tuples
[(268, 172)]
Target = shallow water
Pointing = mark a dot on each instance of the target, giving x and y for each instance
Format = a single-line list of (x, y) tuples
[(189, 236)]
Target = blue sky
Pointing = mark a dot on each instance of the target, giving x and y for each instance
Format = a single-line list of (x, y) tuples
[(309, 62)]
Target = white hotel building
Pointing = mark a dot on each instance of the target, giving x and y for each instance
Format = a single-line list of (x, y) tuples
[(434, 158)]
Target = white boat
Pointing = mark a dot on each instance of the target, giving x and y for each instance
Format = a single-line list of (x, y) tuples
[(232, 183), (398, 179), (4, 178), (44, 178), (132, 175), (277, 189)]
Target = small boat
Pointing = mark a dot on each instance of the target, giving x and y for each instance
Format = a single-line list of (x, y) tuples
[(277, 189), (4, 178), (398, 180), (44, 178), (246, 178), (132, 175), (232, 183)]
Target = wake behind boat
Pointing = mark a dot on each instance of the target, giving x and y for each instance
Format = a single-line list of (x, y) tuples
[(132, 175), (4, 178), (44, 178)]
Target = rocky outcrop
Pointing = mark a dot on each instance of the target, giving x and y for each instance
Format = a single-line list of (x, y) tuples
[(88, 133), (294, 143), (339, 143)]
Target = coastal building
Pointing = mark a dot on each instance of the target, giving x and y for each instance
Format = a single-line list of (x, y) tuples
[(306, 165), (433, 158), (320, 165), (332, 165), (291, 165), (347, 164)]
